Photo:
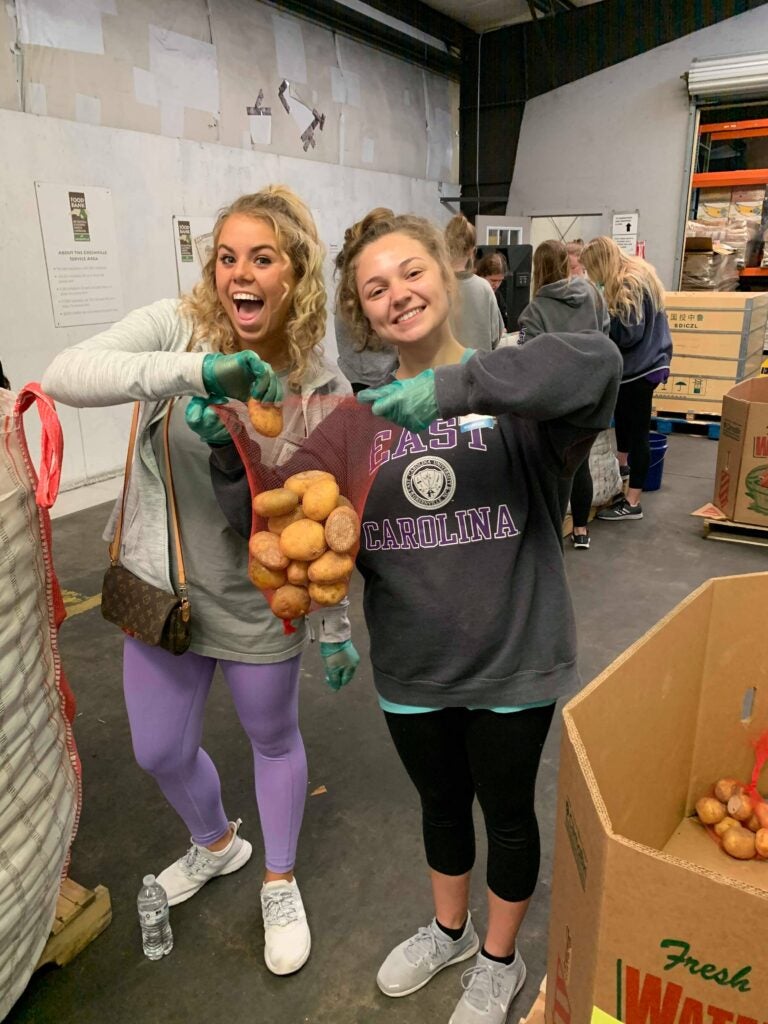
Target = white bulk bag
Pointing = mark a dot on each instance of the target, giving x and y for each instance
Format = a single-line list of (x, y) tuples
[(39, 768), (604, 467)]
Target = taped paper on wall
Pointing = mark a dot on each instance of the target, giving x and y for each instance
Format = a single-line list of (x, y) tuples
[(72, 26), (366, 150), (193, 244), (289, 47), (145, 87), (260, 129), (171, 119), (185, 70), (35, 99), (87, 109), (80, 254), (345, 87)]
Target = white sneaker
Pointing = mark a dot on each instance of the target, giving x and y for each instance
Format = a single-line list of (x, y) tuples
[(286, 933), (199, 865), (489, 988)]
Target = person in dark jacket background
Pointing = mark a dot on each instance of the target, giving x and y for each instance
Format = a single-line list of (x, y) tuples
[(565, 303), (635, 298), (493, 267)]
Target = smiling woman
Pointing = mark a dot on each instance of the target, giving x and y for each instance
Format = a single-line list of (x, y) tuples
[(252, 327)]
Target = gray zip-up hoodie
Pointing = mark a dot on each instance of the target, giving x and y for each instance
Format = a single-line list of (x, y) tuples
[(573, 304)]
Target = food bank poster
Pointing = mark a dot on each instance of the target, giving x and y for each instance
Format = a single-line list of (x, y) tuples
[(78, 227)]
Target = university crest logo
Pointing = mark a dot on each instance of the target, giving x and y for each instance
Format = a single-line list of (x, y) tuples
[(429, 482)]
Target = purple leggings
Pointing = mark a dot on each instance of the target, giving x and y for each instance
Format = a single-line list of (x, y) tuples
[(165, 696)]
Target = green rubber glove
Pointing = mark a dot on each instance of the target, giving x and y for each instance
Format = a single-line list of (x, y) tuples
[(202, 419), (410, 403), (341, 661), (242, 376)]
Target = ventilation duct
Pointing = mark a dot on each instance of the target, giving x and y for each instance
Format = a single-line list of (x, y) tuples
[(729, 77)]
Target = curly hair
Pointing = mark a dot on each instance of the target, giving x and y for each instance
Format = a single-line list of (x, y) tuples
[(550, 263), (299, 243), (375, 225), (626, 280), (491, 263)]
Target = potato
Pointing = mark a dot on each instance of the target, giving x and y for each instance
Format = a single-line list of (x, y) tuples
[(290, 602), (266, 419), (723, 826), (265, 547), (710, 810), (740, 807), (344, 502), (760, 810), (303, 541), (330, 593), (342, 529), (320, 499), (726, 788), (300, 482), (331, 568), (297, 573), (739, 843), (276, 524), (277, 502), (761, 842), (264, 578)]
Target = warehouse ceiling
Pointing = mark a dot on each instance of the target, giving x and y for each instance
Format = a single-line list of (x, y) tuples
[(484, 15)]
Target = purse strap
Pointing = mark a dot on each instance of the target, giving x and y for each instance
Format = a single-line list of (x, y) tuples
[(114, 547)]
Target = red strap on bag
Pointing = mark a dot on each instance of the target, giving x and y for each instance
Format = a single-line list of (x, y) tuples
[(51, 442)]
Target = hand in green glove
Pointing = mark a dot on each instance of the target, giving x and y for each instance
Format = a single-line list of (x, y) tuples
[(341, 661), (241, 375), (410, 403), (201, 417)]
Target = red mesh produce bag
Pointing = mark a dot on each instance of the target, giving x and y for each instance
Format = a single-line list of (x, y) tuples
[(305, 529)]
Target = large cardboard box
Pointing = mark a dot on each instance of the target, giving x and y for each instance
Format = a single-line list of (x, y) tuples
[(651, 922), (717, 341), (741, 476)]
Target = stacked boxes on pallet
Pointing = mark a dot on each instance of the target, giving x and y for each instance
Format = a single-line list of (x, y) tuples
[(717, 340)]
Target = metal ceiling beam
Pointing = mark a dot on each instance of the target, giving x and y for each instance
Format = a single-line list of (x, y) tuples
[(337, 17)]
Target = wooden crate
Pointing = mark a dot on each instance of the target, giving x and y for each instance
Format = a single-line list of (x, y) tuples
[(536, 1012), (717, 340), (81, 915)]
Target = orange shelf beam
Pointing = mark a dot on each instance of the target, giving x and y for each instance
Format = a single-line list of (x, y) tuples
[(713, 179), (733, 127), (754, 272)]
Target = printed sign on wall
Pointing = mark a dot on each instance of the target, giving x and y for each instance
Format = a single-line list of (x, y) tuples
[(80, 245), (624, 231)]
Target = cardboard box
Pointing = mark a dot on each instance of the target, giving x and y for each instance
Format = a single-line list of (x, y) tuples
[(651, 922), (741, 476), (714, 204)]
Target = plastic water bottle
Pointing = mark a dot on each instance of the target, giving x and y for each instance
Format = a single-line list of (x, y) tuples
[(156, 935)]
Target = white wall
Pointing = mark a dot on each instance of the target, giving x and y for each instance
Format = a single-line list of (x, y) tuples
[(151, 178), (616, 140), (149, 98)]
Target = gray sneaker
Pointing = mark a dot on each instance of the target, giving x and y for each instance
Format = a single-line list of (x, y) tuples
[(489, 988), (417, 960)]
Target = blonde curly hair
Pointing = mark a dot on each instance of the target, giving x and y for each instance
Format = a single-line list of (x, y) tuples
[(299, 243), (371, 228), (626, 280)]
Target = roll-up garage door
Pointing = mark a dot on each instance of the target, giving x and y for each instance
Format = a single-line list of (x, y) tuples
[(734, 77)]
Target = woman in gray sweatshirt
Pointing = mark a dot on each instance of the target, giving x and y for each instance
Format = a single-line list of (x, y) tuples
[(565, 303)]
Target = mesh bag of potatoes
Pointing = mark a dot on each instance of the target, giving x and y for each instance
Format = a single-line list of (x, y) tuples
[(736, 815), (307, 511)]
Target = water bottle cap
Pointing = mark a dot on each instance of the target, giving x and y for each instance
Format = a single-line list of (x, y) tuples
[(149, 880)]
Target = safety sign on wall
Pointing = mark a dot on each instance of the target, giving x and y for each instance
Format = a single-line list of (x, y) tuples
[(624, 231), (80, 244)]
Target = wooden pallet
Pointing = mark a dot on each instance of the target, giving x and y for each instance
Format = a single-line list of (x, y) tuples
[(81, 915), (668, 424), (536, 1012), (736, 533)]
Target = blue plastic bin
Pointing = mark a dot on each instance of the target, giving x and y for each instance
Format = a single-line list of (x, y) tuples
[(658, 444)]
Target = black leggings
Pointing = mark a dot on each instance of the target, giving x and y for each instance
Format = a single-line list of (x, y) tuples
[(456, 754), (581, 494), (633, 424)]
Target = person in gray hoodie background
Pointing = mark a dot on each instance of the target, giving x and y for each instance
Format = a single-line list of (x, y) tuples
[(476, 319), (565, 303)]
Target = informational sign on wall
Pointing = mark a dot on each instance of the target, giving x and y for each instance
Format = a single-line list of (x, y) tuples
[(193, 243), (624, 231), (80, 244)]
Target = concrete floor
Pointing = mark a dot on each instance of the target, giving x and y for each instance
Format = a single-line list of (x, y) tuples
[(360, 865)]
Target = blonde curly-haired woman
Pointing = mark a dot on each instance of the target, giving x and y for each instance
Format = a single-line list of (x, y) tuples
[(252, 326)]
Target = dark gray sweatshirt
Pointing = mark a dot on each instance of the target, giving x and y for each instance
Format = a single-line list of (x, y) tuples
[(466, 598), (573, 304)]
